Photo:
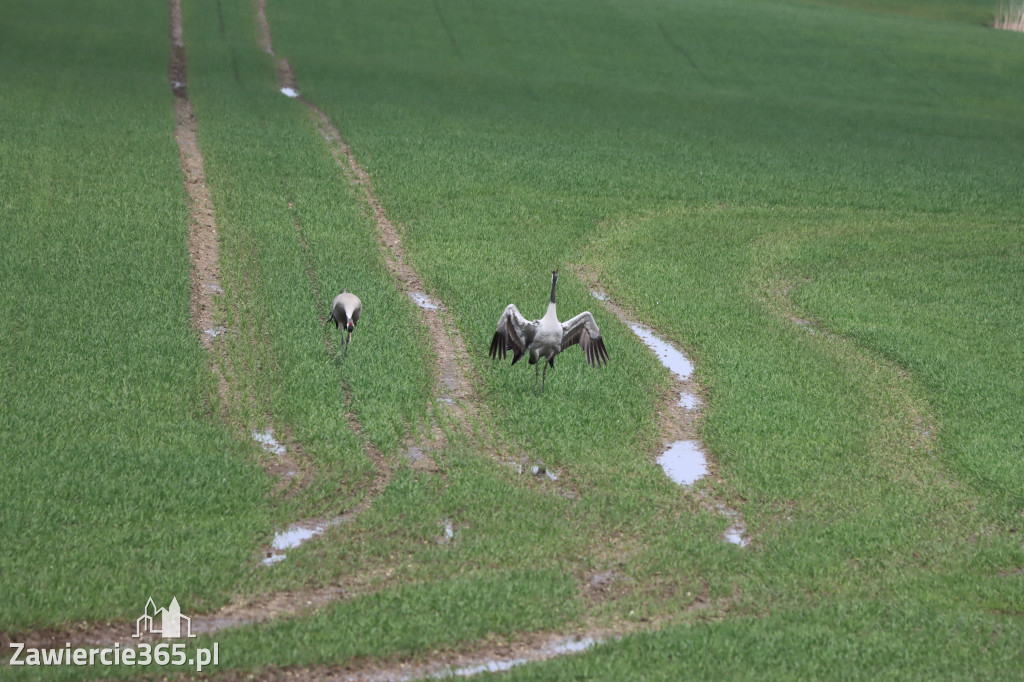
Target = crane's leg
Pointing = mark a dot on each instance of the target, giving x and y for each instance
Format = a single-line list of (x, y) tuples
[(536, 376), (545, 376)]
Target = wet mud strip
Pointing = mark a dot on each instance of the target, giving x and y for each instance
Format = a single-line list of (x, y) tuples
[(682, 455), (468, 663), (467, 660), (204, 251)]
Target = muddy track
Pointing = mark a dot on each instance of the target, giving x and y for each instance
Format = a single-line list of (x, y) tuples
[(678, 419), (204, 249), (291, 473), (453, 386)]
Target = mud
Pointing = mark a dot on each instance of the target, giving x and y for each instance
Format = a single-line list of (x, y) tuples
[(297, 534)]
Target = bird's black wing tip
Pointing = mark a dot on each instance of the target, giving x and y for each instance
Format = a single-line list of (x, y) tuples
[(499, 346)]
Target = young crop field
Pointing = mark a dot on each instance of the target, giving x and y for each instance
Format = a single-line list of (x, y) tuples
[(818, 203)]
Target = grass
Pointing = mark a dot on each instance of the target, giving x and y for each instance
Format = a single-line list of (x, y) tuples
[(703, 174), (293, 237), (711, 164), (117, 482)]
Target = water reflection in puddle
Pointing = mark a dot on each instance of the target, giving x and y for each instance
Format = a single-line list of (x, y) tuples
[(267, 440), (736, 532), (214, 332), (689, 401), (734, 535), (289, 92), (544, 471), (423, 301), (684, 462), (293, 536), (449, 532), (666, 352), (600, 295), (569, 646)]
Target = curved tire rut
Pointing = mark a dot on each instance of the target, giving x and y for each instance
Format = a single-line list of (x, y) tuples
[(676, 420)]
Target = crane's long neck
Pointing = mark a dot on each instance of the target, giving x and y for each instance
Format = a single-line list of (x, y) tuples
[(550, 313)]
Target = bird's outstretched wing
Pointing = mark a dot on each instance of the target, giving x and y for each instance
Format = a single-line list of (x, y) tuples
[(583, 330), (514, 332)]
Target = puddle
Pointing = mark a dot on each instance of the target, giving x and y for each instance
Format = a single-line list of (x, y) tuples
[(536, 470), (544, 471), (689, 401), (414, 454), (736, 532), (684, 462), (267, 440), (666, 352), (215, 332), (289, 92), (573, 645), (448, 535), (293, 536), (734, 535), (423, 301), (215, 288)]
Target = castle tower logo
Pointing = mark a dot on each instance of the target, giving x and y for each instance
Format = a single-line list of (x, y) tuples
[(164, 622)]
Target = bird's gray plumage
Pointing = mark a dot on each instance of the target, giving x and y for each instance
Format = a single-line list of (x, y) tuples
[(547, 337)]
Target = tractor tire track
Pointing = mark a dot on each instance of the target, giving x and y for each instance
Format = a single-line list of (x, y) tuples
[(453, 386), (203, 242)]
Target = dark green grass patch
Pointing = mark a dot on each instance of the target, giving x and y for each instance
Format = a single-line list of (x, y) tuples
[(117, 485)]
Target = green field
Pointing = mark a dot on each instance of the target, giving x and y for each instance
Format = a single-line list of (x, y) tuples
[(819, 202)]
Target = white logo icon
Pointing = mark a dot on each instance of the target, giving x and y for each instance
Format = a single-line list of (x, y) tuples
[(164, 622)]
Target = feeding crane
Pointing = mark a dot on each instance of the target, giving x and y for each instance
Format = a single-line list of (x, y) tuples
[(345, 311)]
